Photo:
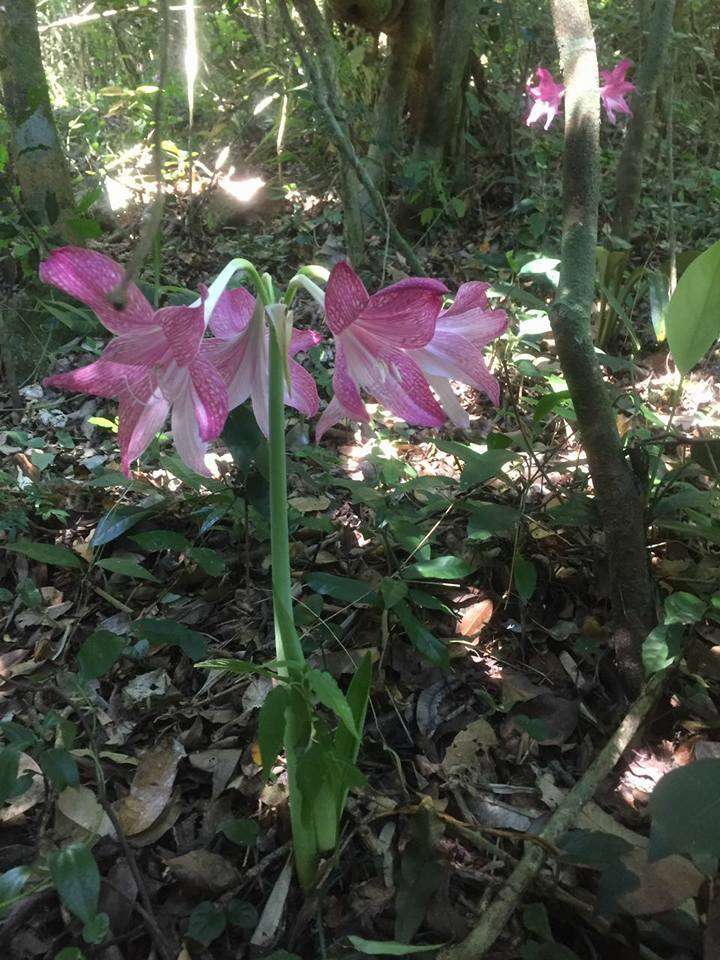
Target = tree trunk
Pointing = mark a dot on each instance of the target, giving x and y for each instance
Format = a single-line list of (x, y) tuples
[(37, 157), (619, 500), (629, 171), (443, 105), (406, 42)]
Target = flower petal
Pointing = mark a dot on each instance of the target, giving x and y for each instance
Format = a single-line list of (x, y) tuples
[(232, 313), (184, 328), (398, 384), (453, 356), (90, 277), (303, 395), (344, 377), (471, 316), (332, 413), (146, 348), (186, 434), (449, 402), (303, 340), (345, 297), (103, 378), (143, 411), (210, 398), (404, 314)]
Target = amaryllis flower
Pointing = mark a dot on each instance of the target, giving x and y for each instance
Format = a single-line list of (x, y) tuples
[(547, 96), (615, 89), (240, 354), (156, 363), (372, 336), (455, 351)]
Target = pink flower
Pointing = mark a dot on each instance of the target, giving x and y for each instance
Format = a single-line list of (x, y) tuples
[(547, 95), (240, 354), (372, 336), (615, 89), (455, 351), (156, 363)]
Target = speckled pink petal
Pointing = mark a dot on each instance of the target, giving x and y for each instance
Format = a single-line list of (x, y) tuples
[(303, 340), (345, 297), (332, 413), (89, 277), (210, 398), (186, 434), (232, 313), (184, 328), (456, 358), (100, 379), (404, 314), (303, 395), (397, 382), (143, 412), (470, 315), (345, 383)]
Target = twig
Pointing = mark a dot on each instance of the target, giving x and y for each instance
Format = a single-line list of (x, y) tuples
[(497, 915)]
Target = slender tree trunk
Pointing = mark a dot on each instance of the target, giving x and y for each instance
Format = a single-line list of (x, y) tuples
[(619, 500), (443, 104), (629, 171), (37, 157), (406, 42)]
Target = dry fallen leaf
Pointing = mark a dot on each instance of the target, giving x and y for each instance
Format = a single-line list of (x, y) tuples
[(308, 504), (80, 805), (26, 801), (267, 929), (204, 872), (220, 763), (664, 884), (475, 617), (151, 788), (463, 752)]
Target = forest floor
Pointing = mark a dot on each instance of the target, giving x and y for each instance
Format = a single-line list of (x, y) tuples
[(463, 764)]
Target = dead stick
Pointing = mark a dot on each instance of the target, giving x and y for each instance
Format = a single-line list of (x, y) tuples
[(495, 918)]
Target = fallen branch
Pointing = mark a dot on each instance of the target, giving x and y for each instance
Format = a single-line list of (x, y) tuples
[(496, 916)]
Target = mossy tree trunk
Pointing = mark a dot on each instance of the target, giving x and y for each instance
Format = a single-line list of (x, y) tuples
[(38, 161), (629, 170), (619, 500)]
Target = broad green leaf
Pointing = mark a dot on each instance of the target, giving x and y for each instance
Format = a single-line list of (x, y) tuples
[(389, 948), (126, 567), (487, 519), (271, 726), (17, 735), (662, 647), (242, 436), (331, 696), (681, 607), (9, 763), (99, 653), (347, 745), (479, 467), (210, 561), (420, 637), (441, 568), (244, 833), (192, 644), (692, 319), (525, 575), (153, 540), (392, 591), (242, 914), (11, 883), (76, 879), (685, 811), (344, 589), (427, 601), (70, 953), (46, 553), (117, 522), (97, 928), (60, 767), (535, 920), (206, 923), (241, 667), (593, 847)]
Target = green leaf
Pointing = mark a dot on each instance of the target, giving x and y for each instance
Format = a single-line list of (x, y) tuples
[(692, 320), (241, 667), (389, 948), (479, 467), (535, 920), (242, 436), (244, 833), (126, 567), (344, 589), (76, 879), (441, 568), (242, 914), (427, 601), (99, 653), (11, 883), (9, 764), (117, 522), (593, 848), (271, 726), (97, 928), (392, 591), (206, 923), (420, 637), (46, 553), (70, 953), (662, 647), (685, 811), (60, 767), (17, 735), (154, 540), (210, 561), (331, 696), (347, 745), (685, 608), (164, 632), (487, 519), (525, 575)]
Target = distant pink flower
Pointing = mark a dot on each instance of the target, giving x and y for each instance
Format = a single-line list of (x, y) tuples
[(615, 89), (455, 351), (156, 363), (547, 96), (240, 354), (372, 336)]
